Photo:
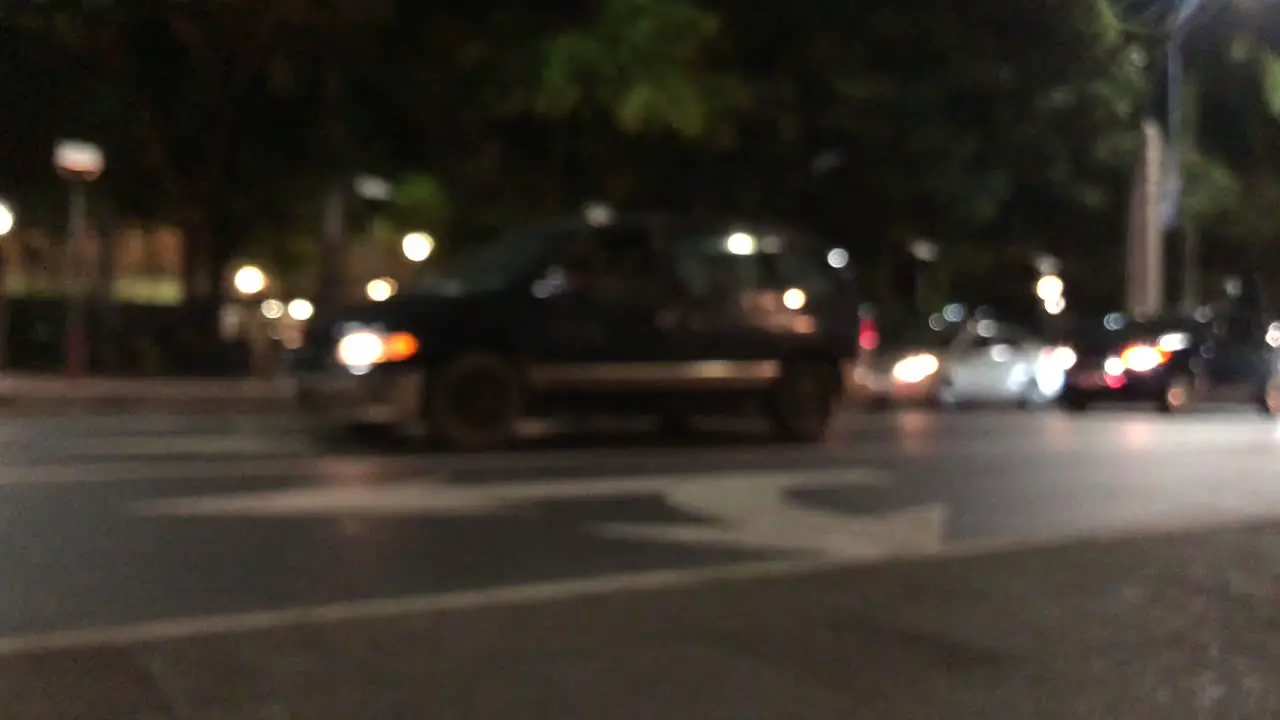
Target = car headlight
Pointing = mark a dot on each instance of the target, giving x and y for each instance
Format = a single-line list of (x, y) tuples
[(1063, 357), (915, 368), (1173, 342), (1113, 366), (1142, 358), (360, 350)]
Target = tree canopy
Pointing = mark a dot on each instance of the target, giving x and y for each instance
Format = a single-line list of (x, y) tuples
[(995, 129)]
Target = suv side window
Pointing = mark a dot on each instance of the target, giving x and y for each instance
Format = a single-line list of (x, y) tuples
[(797, 265), (705, 267), (615, 262)]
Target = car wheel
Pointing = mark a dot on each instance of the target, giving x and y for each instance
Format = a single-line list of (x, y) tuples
[(943, 395), (802, 401), (475, 403), (675, 425), (1075, 401), (1031, 398), (1176, 395), (1270, 399)]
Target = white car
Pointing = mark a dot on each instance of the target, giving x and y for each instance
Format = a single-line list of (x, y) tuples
[(978, 361)]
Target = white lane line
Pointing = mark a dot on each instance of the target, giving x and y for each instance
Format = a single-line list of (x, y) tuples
[(230, 469), (387, 608), (158, 631), (184, 444)]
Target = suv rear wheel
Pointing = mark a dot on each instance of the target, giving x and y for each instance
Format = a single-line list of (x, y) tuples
[(475, 403), (1177, 392), (802, 401)]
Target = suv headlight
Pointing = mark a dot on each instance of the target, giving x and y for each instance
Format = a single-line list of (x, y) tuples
[(360, 350)]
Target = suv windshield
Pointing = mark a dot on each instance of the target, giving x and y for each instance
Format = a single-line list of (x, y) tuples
[(496, 264)]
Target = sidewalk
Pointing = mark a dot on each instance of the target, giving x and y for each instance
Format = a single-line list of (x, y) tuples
[(1172, 628), (54, 394)]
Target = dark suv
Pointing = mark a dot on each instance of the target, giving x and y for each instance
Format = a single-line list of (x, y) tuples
[(1179, 362), (639, 316)]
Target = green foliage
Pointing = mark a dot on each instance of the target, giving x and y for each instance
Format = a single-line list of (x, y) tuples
[(1212, 190), (421, 201), (646, 62)]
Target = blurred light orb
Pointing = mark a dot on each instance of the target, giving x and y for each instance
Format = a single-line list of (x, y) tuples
[(7, 220), (250, 280), (417, 246), (741, 243), (1049, 287), (380, 289), (301, 310), (272, 309)]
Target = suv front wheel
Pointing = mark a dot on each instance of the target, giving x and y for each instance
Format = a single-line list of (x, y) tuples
[(802, 401), (475, 403), (1270, 400)]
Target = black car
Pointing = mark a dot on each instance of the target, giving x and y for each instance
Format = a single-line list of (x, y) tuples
[(657, 316), (1176, 363)]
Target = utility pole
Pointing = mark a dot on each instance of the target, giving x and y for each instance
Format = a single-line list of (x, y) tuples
[(330, 293)]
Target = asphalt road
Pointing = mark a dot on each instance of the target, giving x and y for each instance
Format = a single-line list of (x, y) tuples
[(116, 520)]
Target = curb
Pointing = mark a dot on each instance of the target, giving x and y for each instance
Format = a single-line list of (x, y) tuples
[(46, 395)]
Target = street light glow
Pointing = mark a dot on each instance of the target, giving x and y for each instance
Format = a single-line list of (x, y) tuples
[(380, 289), (7, 220), (417, 246), (250, 280), (1049, 288), (272, 309), (300, 310)]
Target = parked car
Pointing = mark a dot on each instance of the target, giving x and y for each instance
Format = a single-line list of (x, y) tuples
[(1176, 363), (644, 315), (945, 363)]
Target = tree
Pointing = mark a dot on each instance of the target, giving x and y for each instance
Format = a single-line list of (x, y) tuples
[(197, 104)]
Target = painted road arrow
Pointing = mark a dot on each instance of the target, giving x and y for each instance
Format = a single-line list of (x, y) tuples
[(758, 515), (744, 510)]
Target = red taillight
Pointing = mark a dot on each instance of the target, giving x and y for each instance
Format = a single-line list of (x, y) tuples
[(868, 334)]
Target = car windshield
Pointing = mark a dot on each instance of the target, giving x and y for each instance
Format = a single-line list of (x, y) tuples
[(922, 334), (494, 265)]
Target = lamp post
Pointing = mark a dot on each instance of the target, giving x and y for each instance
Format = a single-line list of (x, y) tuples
[(78, 163), (375, 191), (924, 252), (1184, 14)]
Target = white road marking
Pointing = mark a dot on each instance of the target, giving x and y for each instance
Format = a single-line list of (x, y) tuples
[(232, 469), (176, 445), (180, 628), (430, 496), (755, 513), (389, 608)]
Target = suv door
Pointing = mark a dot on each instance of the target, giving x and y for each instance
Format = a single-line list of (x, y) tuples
[(723, 322), (600, 323)]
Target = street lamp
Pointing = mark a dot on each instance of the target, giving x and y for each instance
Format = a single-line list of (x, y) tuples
[(249, 280), (8, 219), (300, 310), (380, 289), (417, 246), (1049, 288), (78, 163)]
